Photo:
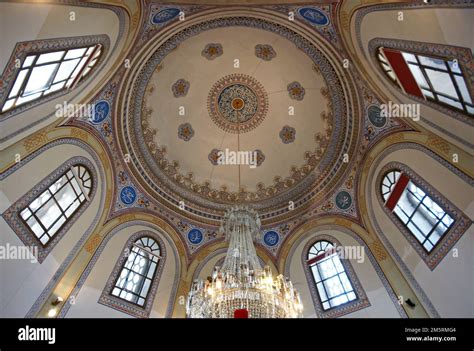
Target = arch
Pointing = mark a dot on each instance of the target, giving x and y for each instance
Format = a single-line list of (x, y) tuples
[(456, 225), (378, 258), (139, 308), (114, 22), (324, 308), (52, 151), (93, 249), (19, 214), (435, 148), (359, 26)]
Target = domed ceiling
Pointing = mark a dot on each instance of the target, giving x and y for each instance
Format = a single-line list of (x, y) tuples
[(243, 109), (219, 85)]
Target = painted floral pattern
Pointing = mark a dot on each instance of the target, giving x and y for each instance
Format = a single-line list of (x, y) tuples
[(287, 134), (212, 50), (185, 131), (296, 91), (180, 88), (265, 52)]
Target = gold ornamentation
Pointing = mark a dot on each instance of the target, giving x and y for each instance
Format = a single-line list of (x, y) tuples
[(327, 206), (378, 251), (79, 134), (172, 170), (438, 143), (126, 218), (350, 182), (35, 140), (93, 242), (394, 138)]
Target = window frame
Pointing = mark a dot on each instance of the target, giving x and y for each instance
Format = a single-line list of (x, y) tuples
[(42, 46), (23, 231), (316, 262), (53, 197), (361, 300), (123, 305), (144, 275), (461, 54), (444, 245), (416, 206), (431, 90)]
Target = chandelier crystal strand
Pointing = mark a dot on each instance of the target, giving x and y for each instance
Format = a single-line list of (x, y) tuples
[(242, 283)]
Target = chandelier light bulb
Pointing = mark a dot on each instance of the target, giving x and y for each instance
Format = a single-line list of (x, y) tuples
[(241, 283)]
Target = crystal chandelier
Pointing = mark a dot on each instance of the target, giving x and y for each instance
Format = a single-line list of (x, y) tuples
[(241, 287)]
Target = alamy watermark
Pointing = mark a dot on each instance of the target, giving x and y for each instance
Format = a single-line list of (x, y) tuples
[(400, 110), (228, 157), (15, 252), (87, 112), (356, 252), (37, 334)]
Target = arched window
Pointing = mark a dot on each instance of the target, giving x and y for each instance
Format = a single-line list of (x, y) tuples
[(425, 219), (48, 68), (137, 273), (436, 79), (332, 283), (44, 73), (133, 284), (428, 220), (52, 208), (42, 216)]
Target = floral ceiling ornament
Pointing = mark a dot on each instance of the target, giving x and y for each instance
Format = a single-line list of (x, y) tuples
[(180, 88), (212, 50), (214, 156), (265, 52), (185, 131), (260, 157), (287, 134), (237, 103), (296, 91)]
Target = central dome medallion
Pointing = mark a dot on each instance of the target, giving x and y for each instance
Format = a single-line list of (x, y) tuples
[(237, 103)]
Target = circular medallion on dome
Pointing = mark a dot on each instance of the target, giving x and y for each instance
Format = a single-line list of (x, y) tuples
[(237, 103), (271, 238)]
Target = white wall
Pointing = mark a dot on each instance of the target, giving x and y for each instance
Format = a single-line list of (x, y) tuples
[(22, 281), (381, 305), (449, 286), (32, 21), (427, 25), (87, 305)]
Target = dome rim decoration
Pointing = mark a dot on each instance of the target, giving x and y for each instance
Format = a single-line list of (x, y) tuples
[(275, 205)]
